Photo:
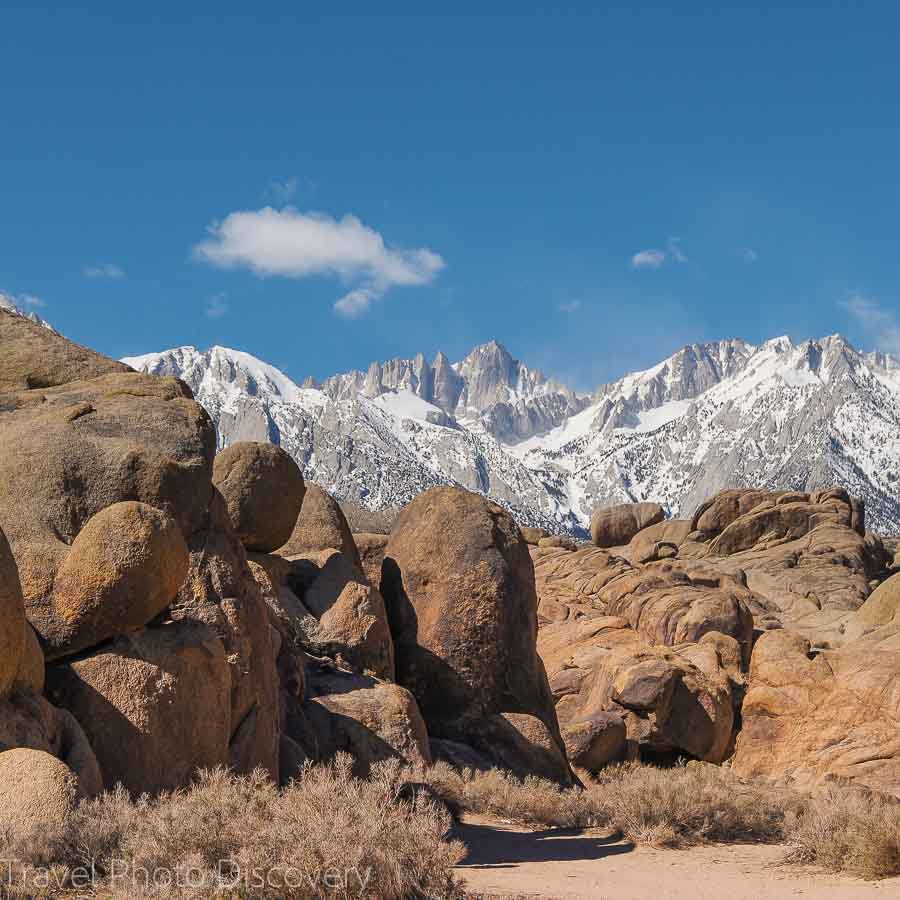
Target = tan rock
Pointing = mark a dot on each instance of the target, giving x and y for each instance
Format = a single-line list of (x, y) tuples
[(123, 569), (369, 719), (154, 705), (321, 525), (371, 549), (30, 676), (615, 526), (823, 716), (34, 357), (12, 619), (37, 791), (669, 705), (593, 742), (263, 489), (459, 586)]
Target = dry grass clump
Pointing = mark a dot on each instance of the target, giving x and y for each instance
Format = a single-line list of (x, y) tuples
[(843, 830), (327, 834), (848, 831), (686, 804)]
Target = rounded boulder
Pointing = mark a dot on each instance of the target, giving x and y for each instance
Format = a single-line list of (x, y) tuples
[(458, 582), (37, 791), (123, 569), (263, 488)]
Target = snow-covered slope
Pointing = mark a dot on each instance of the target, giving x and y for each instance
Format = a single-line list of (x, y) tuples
[(726, 414)]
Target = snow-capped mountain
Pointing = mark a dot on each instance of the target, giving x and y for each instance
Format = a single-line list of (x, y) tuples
[(725, 414)]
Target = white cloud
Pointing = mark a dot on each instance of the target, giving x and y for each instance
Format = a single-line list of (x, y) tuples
[(648, 259), (570, 307), (103, 270), (353, 304), (675, 250), (216, 307), (747, 254), (879, 323), (294, 244)]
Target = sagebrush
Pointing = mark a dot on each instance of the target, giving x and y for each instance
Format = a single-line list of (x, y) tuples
[(327, 834)]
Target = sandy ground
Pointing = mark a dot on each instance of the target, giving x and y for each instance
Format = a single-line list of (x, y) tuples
[(565, 864)]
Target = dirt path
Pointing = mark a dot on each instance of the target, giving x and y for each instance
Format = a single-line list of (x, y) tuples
[(564, 864)]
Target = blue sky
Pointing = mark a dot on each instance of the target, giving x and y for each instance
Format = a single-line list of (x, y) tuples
[(593, 185)]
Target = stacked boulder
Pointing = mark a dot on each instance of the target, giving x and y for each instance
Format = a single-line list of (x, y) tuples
[(159, 654), (643, 661), (750, 630)]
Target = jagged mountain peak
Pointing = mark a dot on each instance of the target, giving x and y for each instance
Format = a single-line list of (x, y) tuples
[(712, 415)]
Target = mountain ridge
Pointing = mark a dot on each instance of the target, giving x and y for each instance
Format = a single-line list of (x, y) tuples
[(713, 415)]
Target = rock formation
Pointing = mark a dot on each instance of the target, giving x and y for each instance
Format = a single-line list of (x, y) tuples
[(459, 586)]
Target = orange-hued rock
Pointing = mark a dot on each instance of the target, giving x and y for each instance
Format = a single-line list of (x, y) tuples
[(123, 569), (263, 489), (459, 586)]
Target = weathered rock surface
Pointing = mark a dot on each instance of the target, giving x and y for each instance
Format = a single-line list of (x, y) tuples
[(595, 741), (370, 719), (154, 704), (37, 791), (34, 357), (123, 569), (371, 549), (614, 526), (321, 525), (28, 720), (263, 489), (668, 703), (803, 556), (459, 587), (12, 619), (834, 714), (326, 604)]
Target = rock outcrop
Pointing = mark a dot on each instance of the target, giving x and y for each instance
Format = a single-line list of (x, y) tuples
[(615, 526), (459, 587), (116, 529), (155, 705)]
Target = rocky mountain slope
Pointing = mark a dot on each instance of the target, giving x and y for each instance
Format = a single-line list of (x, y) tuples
[(712, 416)]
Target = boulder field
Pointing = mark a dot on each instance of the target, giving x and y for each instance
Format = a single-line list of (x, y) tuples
[(164, 607)]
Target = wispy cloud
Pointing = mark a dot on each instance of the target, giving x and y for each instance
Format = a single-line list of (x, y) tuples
[(20, 301), (654, 258), (648, 259), (570, 307), (103, 270), (880, 324), (354, 303), (675, 251), (216, 307), (747, 254), (295, 244)]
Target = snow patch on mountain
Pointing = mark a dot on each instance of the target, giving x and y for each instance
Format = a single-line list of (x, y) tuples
[(711, 416)]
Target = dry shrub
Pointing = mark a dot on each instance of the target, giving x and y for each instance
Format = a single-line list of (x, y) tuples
[(686, 804), (849, 831), (844, 829), (327, 835)]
